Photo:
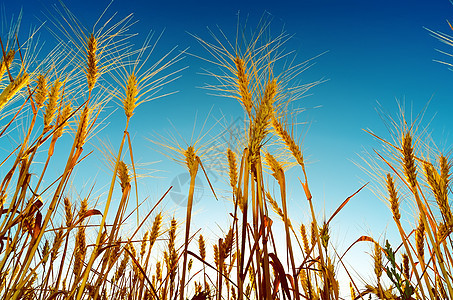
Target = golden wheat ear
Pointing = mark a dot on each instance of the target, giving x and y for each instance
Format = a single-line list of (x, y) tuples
[(13, 88), (92, 71)]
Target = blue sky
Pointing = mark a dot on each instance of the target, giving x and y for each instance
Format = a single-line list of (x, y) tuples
[(378, 51)]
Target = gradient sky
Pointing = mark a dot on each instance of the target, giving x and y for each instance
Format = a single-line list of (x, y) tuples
[(378, 52)]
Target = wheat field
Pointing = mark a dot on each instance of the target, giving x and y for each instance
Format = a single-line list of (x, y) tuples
[(58, 241)]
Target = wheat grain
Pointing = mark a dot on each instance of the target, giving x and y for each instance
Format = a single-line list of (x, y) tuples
[(252, 277), (41, 90), (114, 254), (288, 140), (122, 267), (202, 247), (58, 240), (189, 265), (439, 187), (406, 269), (191, 161), (351, 288), (62, 119), (275, 166), (158, 272), (275, 206), (45, 252), (83, 126), (303, 234), (68, 211), (420, 237), (444, 188), (92, 71), (133, 253), (123, 175), (304, 280), (409, 166), (324, 235), (393, 197), (443, 231), (80, 243), (233, 259), (13, 87), (232, 169), (228, 244), (172, 256), (143, 244), (440, 288), (377, 261), (233, 293), (314, 233), (216, 256), (155, 230), (52, 104), (130, 100), (243, 85), (259, 127)]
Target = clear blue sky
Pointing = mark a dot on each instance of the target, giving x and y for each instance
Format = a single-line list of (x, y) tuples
[(378, 51)]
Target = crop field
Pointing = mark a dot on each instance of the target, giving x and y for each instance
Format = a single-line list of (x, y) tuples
[(60, 238)]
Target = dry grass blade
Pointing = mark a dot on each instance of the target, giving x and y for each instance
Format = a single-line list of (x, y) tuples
[(281, 273), (344, 203), (137, 264)]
